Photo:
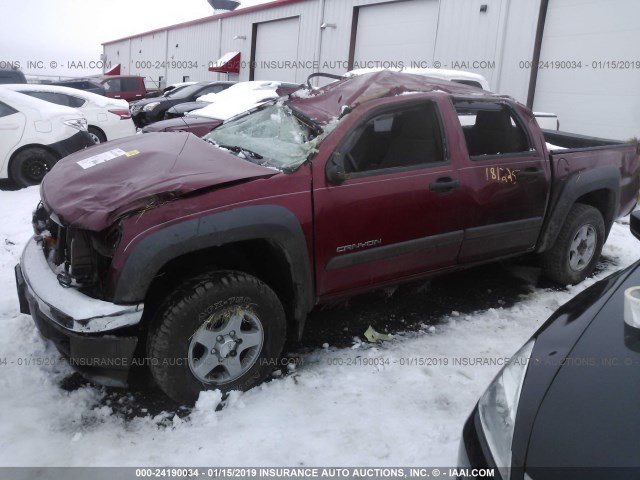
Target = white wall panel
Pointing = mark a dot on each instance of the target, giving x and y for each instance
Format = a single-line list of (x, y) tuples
[(396, 34), (596, 99), (467, 37), (190, 50), (148, 57), (118, 53), (276, 49), (516, 42)]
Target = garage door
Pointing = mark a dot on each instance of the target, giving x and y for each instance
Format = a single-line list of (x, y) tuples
[(276, 44), (393, 32), (599, 96)]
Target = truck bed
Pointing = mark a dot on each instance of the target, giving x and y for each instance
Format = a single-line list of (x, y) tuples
[(573, 141), (572, 154)]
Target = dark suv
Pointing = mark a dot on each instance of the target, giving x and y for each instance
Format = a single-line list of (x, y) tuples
[(12, 75)]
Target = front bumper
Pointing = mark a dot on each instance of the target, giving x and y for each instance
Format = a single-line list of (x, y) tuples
[(89, 332), (118, 128), (72, 144), (140, 117)]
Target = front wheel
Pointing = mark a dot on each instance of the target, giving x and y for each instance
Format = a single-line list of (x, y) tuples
[(224, 330), (577, 248)]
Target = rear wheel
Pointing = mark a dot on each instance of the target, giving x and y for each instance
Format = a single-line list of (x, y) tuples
[(224, 330), (577, 248), (97, 135), (30, 166)]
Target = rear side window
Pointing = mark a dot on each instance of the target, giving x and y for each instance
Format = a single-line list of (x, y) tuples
[(6, 110), (74, 102), (212, 89), (57, 98), (112, 85), (491, 129), (471, 83), (130, 85), (404, 138)]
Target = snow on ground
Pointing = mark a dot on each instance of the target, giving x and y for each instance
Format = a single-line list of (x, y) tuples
[(325, 413)]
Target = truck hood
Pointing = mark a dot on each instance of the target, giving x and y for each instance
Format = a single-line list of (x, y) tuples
[(92, 188), (184, 124)]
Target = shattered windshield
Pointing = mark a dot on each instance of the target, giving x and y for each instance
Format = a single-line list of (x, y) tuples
[(271, 136)]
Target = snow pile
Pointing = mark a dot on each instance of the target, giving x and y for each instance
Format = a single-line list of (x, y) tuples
[(236, 99), (399, 403)]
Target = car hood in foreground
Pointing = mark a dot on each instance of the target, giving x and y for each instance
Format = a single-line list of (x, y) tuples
[(588, 416), (92, 188)]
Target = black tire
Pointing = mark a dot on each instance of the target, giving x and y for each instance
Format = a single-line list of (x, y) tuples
[(29, 166), (207, 308), (567, 264), (97, 135)]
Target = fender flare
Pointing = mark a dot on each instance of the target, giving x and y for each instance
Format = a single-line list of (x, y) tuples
[(580, 184), (272, 223)]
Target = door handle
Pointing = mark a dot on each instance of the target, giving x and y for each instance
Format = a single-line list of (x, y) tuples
[(444, 185), (530, 172)]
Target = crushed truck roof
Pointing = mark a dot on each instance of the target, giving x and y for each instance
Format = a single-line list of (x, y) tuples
[(327, 103)]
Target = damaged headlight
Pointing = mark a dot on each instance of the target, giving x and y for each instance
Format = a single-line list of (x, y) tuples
[(498, 406)]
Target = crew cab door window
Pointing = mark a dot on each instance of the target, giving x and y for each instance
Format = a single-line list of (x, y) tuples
[(401, 139), (507, 178), (6, 110), (491, 129), (397, 212)]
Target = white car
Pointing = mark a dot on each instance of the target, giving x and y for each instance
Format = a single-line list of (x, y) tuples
[(35, 134), (108, 118)]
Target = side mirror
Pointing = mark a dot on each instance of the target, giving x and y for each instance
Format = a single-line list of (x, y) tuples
[(635, 224), (336, 172)]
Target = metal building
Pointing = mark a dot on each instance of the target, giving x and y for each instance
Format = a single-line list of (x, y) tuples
[(577, 58)]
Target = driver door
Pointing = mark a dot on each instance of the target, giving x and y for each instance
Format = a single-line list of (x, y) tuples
[(394, 213)]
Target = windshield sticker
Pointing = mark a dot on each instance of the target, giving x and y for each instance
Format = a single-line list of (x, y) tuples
[(101, 158)]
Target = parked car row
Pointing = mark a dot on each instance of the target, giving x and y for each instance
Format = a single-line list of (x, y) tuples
[(212, 110), (150, 110)]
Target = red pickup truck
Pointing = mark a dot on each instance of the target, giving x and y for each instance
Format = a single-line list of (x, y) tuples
[(200, 257)]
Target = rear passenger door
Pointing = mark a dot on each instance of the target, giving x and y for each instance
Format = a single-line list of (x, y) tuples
[(507, 177), (395, 212), (12, 125)]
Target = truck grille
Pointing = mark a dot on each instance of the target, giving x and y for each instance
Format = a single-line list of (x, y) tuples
[(68, 251)]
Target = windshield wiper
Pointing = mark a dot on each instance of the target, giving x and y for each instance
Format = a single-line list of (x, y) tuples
[(237, 149)]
